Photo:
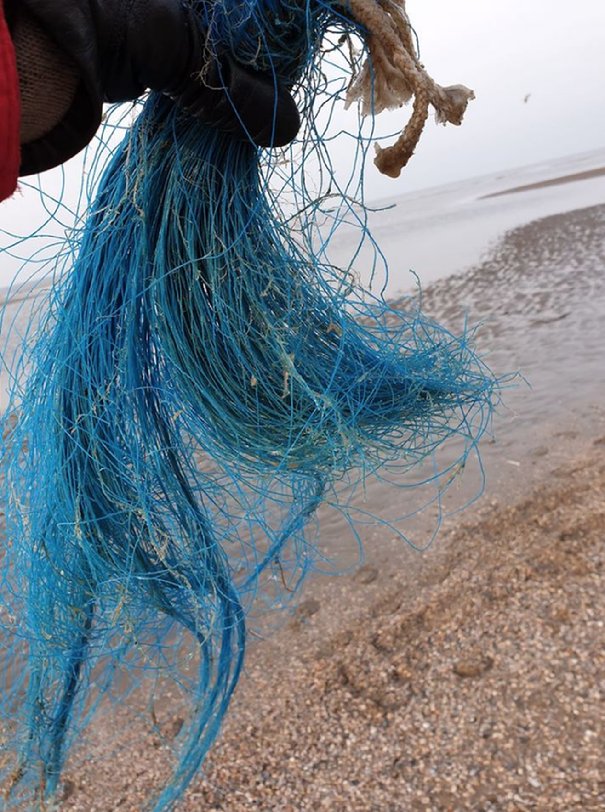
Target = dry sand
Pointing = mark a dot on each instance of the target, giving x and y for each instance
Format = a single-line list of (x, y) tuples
[(484, 690), (480, 685)]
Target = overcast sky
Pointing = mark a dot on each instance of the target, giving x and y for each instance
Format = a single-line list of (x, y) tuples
[(553, 50)]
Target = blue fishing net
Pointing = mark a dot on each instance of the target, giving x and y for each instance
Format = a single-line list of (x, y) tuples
[(200, 380)]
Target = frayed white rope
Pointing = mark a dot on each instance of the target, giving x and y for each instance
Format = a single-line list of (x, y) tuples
[(393, 75)]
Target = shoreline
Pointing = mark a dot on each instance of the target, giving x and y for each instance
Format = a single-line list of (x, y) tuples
[(461, 678), (543, 184)]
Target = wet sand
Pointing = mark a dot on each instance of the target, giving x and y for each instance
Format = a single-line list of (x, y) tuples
[(469, 677)]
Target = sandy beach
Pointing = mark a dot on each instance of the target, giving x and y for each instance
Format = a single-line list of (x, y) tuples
[(476, 685), (468, 677)]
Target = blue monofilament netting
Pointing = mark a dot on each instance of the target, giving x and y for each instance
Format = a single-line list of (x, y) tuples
[(200, 383)]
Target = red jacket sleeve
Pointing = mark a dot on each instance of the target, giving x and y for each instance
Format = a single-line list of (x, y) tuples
[(9, 112)]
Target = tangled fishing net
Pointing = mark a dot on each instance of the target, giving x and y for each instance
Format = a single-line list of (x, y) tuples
[(201, 381)]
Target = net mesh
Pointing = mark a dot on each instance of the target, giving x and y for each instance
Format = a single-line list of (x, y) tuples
[(199, 380)]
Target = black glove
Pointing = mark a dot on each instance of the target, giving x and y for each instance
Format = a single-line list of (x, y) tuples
[(123, 47), (158, 44), (245, 103)]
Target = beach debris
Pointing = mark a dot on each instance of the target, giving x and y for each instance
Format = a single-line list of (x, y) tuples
[(307, 608), (393, 74), (201, 383), (366, 574)]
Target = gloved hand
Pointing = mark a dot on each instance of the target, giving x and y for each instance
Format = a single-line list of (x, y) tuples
[(123, 47), (158, 44), (242, 102)]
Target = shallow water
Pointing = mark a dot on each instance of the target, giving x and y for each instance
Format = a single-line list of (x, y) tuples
[(444, 230)]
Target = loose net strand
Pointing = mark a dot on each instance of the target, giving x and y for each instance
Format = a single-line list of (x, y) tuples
[(201, 383)]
